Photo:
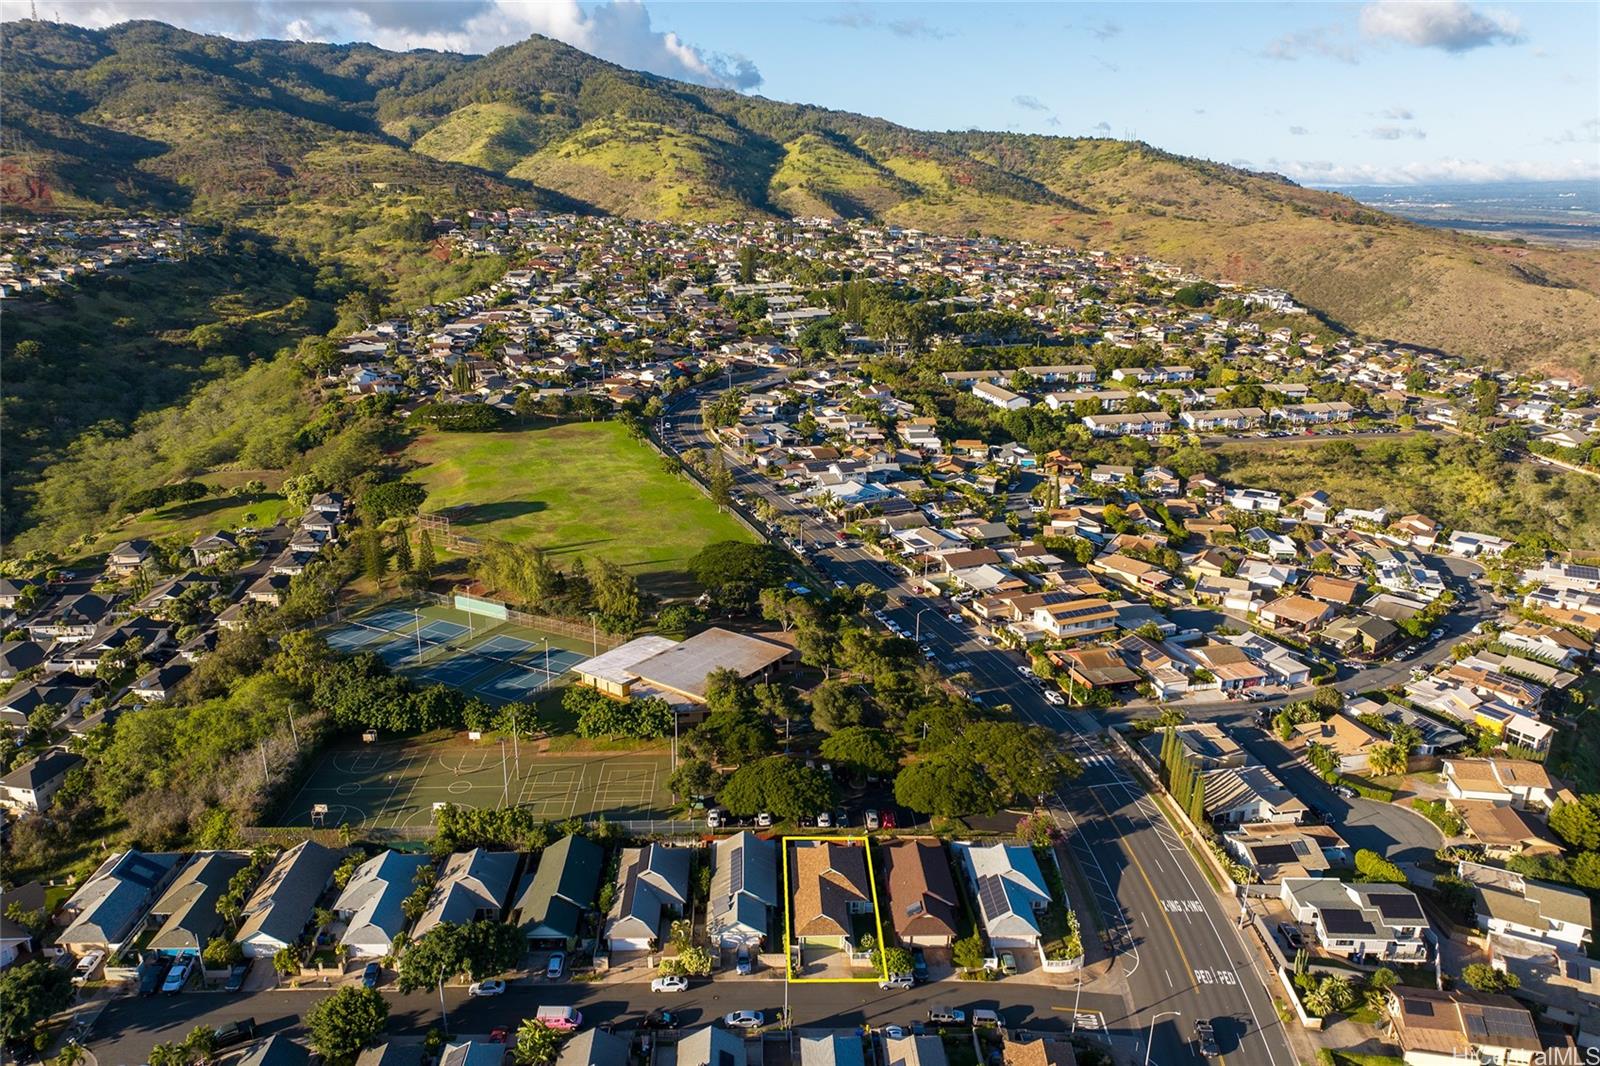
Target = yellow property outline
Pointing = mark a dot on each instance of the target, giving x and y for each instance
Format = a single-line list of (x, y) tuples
[(788, 914)]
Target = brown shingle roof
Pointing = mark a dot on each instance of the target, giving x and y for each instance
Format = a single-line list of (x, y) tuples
[(828, 878), (922, 894)]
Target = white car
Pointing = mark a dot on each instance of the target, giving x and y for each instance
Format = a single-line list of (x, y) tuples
[(744, 1019), (824, 820), (1025, 670), (486, 988), (1055, 698), (87, 966), (763, 820), (898, 980), (670, 984), (893, 1032)]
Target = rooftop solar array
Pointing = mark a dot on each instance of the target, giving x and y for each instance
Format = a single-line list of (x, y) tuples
[(992, 895), (1398, 907), (1344, 920), (1498, 1025), (736, 870), (1275, 854)]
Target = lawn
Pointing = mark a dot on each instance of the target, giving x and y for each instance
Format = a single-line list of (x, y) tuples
[(574, 490), (188, 520)]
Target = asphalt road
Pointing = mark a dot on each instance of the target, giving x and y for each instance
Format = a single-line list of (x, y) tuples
[(136, 1025), (1183, 961)]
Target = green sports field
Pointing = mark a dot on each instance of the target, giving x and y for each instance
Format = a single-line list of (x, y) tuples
[(575, 489)]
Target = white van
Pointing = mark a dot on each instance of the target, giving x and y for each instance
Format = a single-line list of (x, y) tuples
[(563, 1018)]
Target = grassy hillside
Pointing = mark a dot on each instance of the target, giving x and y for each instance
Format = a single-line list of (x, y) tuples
[(279, 132)]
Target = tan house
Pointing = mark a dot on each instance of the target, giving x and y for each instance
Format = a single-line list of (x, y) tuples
[(1436, 1028), (1297, 613), (831, 887)]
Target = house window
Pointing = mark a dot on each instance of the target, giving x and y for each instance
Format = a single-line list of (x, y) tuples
[(1343, 943)]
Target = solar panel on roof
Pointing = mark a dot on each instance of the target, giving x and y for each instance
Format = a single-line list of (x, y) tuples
[(736, 870), (1344, 920), (1509, 1021), (1275, 853), (992, 895), (1396, 907), (1584, 572)]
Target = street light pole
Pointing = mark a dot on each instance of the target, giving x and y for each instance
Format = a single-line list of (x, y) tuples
[(917, 623), (1150, 1040)]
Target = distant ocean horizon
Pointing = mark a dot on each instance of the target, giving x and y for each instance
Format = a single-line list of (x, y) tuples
[(1560, 210)]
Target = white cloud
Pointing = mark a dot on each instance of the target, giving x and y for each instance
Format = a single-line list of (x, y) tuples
[(1437, 171), (1101, 129), (1328, 42), (1587, 132), (1399, 114), (615, 30), (1032, 103), (1298, 131), (1449, 25), (1395, 133), (858, 17), (1105, 30)]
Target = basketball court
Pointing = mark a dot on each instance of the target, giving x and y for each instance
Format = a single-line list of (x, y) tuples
[(395, 785)]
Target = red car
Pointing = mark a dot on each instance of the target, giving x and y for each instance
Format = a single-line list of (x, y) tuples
[(886, 819), (498, 1035)]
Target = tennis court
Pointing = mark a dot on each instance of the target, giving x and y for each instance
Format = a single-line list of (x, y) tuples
[(396, 785), (497, 661)]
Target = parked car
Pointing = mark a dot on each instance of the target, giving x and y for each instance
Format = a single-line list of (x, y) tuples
[(1291, 936), (1008, 963), (763, 820), (714, 818), (1436, 634), (661, 1019), (985, 1017), (235, 1033), (1051, 696), (871, 819), (893, 1032), (919, 964), (1344, 792), (556, 966), (670, 984), (236, 976), (887, 818), (744, 1019), (87, 966), (1026, 671), (946, 1016), (566, 1019), (825, 820), (743, 964), (178, 976), (371, 974), (486, 988), (499, 1035), (1205, 1039), (897, 980), (152, 975)]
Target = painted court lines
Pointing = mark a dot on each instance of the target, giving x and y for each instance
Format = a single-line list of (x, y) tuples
[(393, 788)]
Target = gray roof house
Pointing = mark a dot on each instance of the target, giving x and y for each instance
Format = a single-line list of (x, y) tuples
[(275, 1050), (711, 1046), (391, 1053), (370, 902), (655, 888), (835, 1049), (552, 902), (594, 1047), (108, 908), (277, 911), (30, 786), (472, 1053), (187, 910), (473, 886), (744, 890)]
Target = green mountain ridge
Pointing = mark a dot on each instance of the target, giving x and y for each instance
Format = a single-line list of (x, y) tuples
[(288, 136)]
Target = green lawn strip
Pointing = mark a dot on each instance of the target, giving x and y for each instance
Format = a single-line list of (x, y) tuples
[(1090, 902), (1053, 922), (1357, 1058), (1184, 831)]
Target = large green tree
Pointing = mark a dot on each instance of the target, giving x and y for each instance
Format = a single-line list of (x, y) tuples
[(345, 1022), (778, 785), (30, 993)]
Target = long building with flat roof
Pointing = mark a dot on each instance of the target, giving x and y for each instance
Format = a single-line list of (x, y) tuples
[(679, 668)]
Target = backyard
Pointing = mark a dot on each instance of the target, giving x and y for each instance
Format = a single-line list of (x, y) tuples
[(576, 489)]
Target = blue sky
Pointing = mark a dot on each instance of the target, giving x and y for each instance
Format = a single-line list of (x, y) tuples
[(1385, 91)]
